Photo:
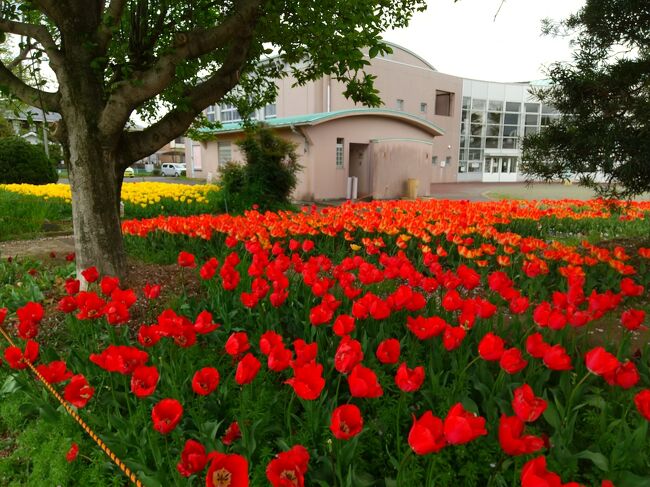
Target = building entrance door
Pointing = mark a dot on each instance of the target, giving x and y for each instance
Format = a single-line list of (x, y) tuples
[(500, 169), (360, 168)]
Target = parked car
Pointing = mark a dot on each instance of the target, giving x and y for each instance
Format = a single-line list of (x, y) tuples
[(173, 169), (129, 172)]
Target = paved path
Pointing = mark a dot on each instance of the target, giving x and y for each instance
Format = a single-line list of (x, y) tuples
[(495, 191), (37, 248)]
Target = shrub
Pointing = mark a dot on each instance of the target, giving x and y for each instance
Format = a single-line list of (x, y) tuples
[(22, 162), (269, 176)]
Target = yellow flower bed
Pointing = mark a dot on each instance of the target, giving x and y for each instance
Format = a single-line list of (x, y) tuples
[(142, 194)]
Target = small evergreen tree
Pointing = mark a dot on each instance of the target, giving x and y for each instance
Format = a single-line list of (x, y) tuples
[(269, 176)]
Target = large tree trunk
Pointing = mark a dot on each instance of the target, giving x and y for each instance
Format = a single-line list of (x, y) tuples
[(95, 204)]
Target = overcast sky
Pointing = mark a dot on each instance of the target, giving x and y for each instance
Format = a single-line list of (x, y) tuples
[(465, 40)]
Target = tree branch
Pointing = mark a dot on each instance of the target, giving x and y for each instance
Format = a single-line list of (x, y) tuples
[(27, 94), (129, 94), (22, 55), (111, 19), (140, 144), (37, 32)]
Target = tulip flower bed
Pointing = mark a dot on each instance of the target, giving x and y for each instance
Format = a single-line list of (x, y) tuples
[(388, 344)]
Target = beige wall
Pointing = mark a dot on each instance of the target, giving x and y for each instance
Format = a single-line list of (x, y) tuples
[(401, 75), (386, 136)]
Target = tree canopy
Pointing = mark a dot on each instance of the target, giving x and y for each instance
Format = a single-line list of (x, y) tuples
[(168, 60), (604, 93)]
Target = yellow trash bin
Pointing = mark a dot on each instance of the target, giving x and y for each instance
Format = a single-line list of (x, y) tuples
[(412, 188)]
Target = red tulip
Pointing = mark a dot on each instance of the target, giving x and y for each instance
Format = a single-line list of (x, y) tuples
[(288, 468), (425, 328), (343, 325), (54, 372), (632, 319), (204, 324), (108, 284), (511, 437), (72, 286), (426, 435), (193, 458), (269, 340), (491, 347), (363, 383), (526, 405), (78, 392), (348, 354), (152, 291), (144, 380), (72, 454), (205, 381), (91, 274), (247, 369), (237, 343), (511, 361), (185, 259), (642, 402), (536, 346), (626, 376), (601, 362), (346, 422), (120, 358), (535, 474), (452, 337), (166, 414), (388, 351), (556, 358), (409, 380), (232, 433), (18, 359), (148, 336), (307, 381), (279, 358), (227, 470), (461, 426)]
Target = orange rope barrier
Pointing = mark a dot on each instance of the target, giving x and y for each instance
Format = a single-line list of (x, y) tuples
[(122, 466)]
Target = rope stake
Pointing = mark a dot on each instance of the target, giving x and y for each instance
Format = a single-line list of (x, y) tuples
[(70, 410)]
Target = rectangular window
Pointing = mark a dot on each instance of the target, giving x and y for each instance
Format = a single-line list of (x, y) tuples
[(492, 131), (513, 106), (423, 108), (400, 104), (462, 166), (494, 117), (491, 142), (229, 113), (448, 161), (434, 160), (495, 106), (513, 165), (478, 104), (531, 130), (224, 153), (466, 102), (444, 100), (339, 152), (510, 130), (510, 143), (475, 142), (270, 111), (532, 119), (209, 113), (532, 107), (179, 140), (511, 119), (476, 129)]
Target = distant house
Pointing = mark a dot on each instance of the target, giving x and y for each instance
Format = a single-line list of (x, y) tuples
[(29, 118)]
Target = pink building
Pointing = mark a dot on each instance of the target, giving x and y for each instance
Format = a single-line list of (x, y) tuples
[(433, 127)]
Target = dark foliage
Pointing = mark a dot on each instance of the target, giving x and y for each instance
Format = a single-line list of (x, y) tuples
[(269, 176), (22, 162), (605, 94)]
